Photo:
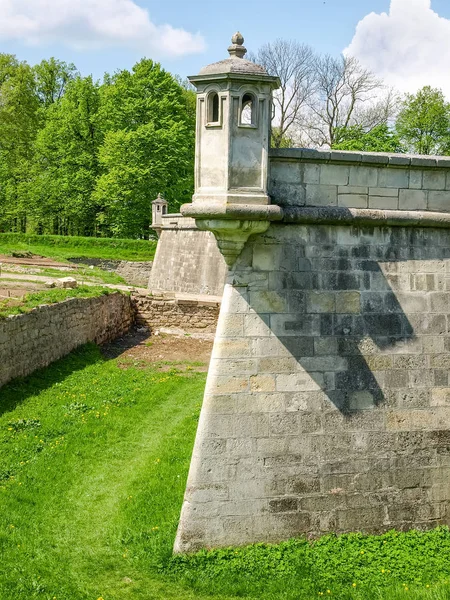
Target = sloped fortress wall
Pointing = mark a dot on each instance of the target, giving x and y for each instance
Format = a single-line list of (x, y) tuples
[(327, 405), (187, 260)]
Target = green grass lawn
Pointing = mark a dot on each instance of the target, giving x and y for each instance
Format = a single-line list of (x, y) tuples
[(64, 247), (93, 465)]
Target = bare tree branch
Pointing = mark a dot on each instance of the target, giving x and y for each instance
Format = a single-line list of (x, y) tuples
[(293, 63), (345, 94)]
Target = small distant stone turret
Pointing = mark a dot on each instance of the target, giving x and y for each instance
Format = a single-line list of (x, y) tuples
[(159, 209)]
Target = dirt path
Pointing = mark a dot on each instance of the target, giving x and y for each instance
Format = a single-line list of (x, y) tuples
[(138, 348), (35, 261)]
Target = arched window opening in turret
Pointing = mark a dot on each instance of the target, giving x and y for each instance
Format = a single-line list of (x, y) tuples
[(248, 110), (213, 108), (164, 210)]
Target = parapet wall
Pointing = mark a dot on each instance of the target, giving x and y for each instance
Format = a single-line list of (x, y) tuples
[(187, 260), (327, 404), (300, 177), (34, 340)]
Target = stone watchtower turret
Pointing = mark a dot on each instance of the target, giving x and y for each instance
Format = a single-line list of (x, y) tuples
[(234, 109), (159, 209)]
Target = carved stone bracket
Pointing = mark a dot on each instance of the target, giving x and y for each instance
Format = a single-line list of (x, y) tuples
[(231, 235)]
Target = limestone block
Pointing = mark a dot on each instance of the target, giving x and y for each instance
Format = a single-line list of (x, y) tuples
[(67, 282), (288, 171), (353, 200), (383, 202), (348, 302), (434, 180), (257, 325), (298, 382), (321, 195), (311, 173), (412, 199), (262, 383), (268, 302), (362, 400), (416, 179), (295, 325), (384, 192), (233, 348), (393, 178), (287, 194), (320, 302), (363, 176), (277, 365), (259, 403), (334, 175), (439, 201)]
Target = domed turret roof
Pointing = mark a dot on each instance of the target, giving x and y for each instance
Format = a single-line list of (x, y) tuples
[(236, 63)]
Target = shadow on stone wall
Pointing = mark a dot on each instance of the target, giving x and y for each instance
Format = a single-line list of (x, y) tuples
[(342, 319)]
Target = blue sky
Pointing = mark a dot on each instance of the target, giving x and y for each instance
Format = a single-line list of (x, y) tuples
[(104, 35)]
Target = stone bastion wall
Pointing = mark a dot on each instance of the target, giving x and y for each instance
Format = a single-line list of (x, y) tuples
[(327, 404), (187, 260), (34, 340)]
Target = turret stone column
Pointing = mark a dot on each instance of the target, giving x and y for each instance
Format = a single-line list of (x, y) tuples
[(234, 108)]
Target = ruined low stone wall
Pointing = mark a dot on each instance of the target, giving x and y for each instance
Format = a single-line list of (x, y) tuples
[(182, 312), (36, 339)]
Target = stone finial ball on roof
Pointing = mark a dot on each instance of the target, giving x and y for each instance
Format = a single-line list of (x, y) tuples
[(236, 62), (237, 38)]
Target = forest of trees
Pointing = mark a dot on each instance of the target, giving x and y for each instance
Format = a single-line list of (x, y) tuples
[(80, 157)]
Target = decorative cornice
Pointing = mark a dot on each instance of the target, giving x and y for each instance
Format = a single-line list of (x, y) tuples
[(254, 212), (331, 215)]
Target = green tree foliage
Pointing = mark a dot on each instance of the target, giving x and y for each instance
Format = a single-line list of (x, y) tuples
[(19, 122), (379, 139), (52, 77), (148, 119), (423, 123), (77, 157), (66, 165)]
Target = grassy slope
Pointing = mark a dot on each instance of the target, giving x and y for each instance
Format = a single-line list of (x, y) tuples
[(93, 465), (64, 247), (92, 479)]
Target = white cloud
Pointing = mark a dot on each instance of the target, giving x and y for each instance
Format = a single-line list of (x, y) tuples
[(408, 48), (88, 24)]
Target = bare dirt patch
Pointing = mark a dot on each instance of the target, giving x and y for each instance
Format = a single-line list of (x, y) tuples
[(35, 261), (16, 290), (165, 352)]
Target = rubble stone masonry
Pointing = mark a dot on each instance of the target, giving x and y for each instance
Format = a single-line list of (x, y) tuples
[(34, 340)]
